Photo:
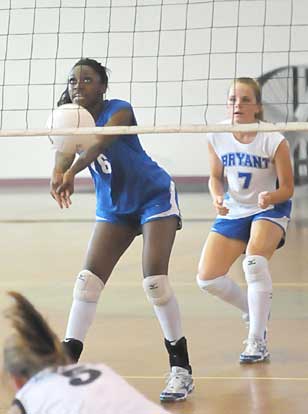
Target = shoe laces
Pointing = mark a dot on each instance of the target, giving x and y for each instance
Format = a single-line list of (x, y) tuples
[(177, 378), (254, 345)]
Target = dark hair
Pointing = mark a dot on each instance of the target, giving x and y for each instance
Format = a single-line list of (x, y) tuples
[(96, 66), (255, 86), (33, 346)]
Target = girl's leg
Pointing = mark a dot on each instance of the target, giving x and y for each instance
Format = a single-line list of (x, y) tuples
[(217, 256), (264, 239), (158, 239), (108, 242)]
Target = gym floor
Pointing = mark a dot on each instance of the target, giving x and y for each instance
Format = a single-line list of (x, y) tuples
[(42, 250)]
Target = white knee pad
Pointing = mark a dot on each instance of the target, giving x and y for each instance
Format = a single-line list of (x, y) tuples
[(215, 286), (87, 287), (257, 273), (157, 289)]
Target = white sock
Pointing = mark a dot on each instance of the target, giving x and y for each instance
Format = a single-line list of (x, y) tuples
[(226, 289), (81, 316), (169, 318), (259, 309), (259, 283), (86, 293)]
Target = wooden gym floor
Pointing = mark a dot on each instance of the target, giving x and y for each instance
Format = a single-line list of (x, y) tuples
[(42, 250)]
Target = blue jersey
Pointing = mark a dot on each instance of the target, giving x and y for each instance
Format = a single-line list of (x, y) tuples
[(125, 177)]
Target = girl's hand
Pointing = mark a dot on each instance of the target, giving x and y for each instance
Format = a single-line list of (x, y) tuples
[(264, 199), (65, 190), (219, 207), (63, 162), (55, 182)]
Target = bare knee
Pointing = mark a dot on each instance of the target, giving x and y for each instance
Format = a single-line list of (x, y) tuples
[(210, 268), (212, 286), (255, 248), (208, 273)]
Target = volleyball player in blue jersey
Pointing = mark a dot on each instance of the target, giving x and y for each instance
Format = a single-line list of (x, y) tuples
[(252, 216), (134, 195)]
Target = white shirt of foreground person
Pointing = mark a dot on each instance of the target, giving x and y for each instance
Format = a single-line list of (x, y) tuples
[(81, 389)]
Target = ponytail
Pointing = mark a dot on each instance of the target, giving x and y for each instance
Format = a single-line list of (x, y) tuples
[(33, 346)]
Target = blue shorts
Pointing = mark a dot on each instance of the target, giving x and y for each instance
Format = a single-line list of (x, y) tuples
[(240, 228), (164, 205)]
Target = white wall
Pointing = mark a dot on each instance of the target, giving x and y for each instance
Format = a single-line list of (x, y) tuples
[(185, 52)]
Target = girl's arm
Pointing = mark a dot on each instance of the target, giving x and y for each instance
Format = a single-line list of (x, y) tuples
[(284, 171), (121, 118), (216, 181), (65, 190), (63, 161)]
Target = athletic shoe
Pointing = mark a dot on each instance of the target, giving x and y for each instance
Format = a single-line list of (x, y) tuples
[(179, 385), (255, 351)]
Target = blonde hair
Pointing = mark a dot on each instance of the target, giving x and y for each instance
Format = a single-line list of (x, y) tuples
[(255, 86), (33, 346)]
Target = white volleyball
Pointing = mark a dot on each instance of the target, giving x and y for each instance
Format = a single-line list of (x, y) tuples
[(71, 116)]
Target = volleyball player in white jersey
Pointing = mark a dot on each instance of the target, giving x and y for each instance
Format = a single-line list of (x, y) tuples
[(45, 381), (252, 215), (133, 195)]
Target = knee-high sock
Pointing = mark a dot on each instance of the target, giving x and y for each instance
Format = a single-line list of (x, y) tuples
[(160, 294), (80, 318), (87, 290), (226, 289), (169, 318), (259, 294)]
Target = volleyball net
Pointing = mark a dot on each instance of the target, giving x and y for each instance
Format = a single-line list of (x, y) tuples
[(173, 60)]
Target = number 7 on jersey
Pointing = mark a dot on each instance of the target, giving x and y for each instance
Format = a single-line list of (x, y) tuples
[(247, 178)]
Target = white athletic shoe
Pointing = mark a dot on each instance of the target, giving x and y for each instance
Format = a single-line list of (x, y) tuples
[(179, 385), (255, 351)]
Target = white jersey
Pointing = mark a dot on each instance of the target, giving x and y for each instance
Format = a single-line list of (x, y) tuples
[(249, 169), (82, 389)]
